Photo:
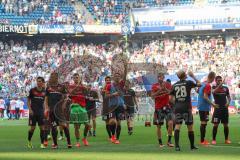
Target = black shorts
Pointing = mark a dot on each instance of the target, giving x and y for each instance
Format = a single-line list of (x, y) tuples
[(92, 112), (161, 114), (105, 112), (34, 119), (53, 119), (220, 115), (115, 112), (66, 112), (66, 115), (59, 114), (183, 116), (204, 115), (130, 112)]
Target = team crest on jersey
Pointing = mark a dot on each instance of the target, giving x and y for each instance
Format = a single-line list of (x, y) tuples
[(38, 93)]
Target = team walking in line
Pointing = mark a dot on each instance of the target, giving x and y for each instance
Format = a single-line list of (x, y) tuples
[(54, 104)]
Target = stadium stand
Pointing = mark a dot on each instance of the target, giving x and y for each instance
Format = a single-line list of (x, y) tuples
[(104, 12), (108, 12), (37, 12)]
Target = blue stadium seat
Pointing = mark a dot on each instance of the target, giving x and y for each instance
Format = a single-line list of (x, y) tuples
[(38, 12)]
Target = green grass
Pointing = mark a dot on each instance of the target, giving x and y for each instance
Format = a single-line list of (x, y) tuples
[(141, 145)]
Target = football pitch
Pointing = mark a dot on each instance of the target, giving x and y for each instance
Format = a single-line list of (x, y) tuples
[(142, 144)]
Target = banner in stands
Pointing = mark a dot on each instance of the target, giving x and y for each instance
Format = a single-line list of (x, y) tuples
[(145, 29), (72, 29), (101, 29), (13, 28), (58, 29), (78, 29), (32, 29)]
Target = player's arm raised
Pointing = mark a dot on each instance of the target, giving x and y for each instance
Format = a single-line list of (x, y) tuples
[(219, 86), (198, 83)]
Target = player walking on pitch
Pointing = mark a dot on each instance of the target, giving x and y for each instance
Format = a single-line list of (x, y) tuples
[(36, 111), (163, 110), (222, 98), (53, 104), (105, 109), (78, 115), (181, 98), (204, 105), (130, 102), (92, 98), (114, 93)]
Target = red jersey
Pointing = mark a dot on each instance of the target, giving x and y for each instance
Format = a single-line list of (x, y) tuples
[(77, 94), (107, 88), (162, 99), (118, 86), (208, 89)]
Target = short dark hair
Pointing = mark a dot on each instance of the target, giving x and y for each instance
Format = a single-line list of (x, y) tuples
[(107, 77), (76, 74), (41, 78), (169, 80), (218, 77), (161, 74)]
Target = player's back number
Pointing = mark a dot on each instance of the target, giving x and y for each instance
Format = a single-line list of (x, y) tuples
[(181, 91)]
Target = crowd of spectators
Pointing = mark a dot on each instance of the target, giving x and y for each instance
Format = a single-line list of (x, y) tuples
[(22, 61), (50, 11), (109, 11), (66, 19), (24, 7), (162, 3), (202, 56), (103, 11)]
